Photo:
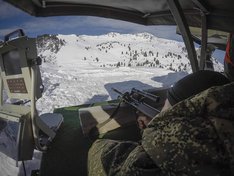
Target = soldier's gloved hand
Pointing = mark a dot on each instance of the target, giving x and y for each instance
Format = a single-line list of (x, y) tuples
[(143, 120)]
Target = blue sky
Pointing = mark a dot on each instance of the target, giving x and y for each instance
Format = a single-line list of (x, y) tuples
[(12, 18)]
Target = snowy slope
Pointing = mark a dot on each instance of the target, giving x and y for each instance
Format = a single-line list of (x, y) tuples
[(116, 50), (79, 86), (82, 69)]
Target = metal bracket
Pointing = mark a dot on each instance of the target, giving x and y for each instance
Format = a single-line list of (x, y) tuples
[(204, 12), (146, 15), (36, 61), (201, 6), (203, 42), (180, 19)]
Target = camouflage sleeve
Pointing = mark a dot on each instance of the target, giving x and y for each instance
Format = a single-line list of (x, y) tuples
[(186, 140), (109, 157)]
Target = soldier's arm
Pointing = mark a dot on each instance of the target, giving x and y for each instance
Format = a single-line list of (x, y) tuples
[(109, 157)]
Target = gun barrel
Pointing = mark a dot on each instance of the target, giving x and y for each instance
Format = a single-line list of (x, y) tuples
[(117, 91), (141, 106), (147, 95)]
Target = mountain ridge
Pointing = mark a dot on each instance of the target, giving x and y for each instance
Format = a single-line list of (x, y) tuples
[(115, 50)]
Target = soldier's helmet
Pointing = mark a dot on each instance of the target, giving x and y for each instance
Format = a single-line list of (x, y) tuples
[(193, 84)]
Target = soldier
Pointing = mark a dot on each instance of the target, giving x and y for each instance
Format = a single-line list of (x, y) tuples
[(229, 58), (187, 87), (193, 137)]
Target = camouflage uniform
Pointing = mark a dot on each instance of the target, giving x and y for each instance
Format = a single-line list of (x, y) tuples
[(195, 137)]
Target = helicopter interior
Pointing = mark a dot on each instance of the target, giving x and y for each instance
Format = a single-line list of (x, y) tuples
[(209, 14)]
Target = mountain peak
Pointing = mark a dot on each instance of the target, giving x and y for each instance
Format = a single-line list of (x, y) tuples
[(113, 34), (145, 35)]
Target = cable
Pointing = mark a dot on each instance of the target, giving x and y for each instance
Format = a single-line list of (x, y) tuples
[(25, 174)]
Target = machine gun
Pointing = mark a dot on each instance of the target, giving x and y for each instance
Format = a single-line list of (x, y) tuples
[(137, 99), (140, 100)]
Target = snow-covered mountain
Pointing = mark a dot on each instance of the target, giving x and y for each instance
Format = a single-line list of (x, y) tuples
[(115, 50), (82, 69)]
